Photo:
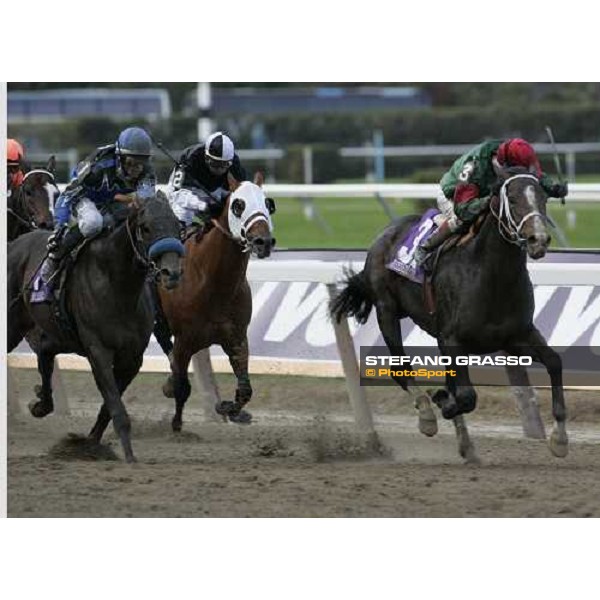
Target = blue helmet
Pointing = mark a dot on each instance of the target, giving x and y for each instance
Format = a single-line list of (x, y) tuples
[(134, 140)]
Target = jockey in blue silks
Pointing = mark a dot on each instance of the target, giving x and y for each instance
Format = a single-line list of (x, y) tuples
[(118, 172)]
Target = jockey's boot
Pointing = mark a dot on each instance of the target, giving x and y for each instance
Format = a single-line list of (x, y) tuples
[(443, 232), (57, 251)]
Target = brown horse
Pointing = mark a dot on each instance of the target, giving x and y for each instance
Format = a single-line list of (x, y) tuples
[(213, 304), (29, 205)]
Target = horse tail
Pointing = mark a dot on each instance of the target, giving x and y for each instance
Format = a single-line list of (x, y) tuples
[(354, 300)]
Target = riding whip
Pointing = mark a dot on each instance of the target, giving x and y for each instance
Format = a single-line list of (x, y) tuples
[(556, 158)]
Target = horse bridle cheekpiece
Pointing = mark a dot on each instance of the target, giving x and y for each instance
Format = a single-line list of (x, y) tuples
[(509, 229)]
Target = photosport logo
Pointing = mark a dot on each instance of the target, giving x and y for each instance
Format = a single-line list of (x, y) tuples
[(425, 365)]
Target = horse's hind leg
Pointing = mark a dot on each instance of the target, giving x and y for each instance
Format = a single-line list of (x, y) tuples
[(465, 446), (45, 359), (389, 325), (238, 358)]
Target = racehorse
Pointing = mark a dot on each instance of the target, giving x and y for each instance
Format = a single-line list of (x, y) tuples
[(108, 304), (484, 300), (29, 205), (213, 304)]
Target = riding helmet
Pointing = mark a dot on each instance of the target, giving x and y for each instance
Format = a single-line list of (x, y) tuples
[(135, 141), (14, 152), (219, 147)]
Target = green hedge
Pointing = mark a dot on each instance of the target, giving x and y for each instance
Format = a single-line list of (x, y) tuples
[(328, 132)]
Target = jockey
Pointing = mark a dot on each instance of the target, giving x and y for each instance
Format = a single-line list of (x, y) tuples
[(466, 188), (118, 172), (15, 165), (198, 186)]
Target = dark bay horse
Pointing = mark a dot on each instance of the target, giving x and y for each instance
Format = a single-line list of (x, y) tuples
[(108, 302), (213, 304), (29, 205), (484, 300)]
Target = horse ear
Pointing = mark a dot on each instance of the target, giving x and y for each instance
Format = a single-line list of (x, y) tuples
[(51, 166), (259, 178), (501, 172), (234, 184)]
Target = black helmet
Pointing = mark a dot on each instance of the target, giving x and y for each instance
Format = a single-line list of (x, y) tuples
[(134, 140)]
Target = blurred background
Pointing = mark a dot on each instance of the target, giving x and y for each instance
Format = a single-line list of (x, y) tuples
[(323, 133)]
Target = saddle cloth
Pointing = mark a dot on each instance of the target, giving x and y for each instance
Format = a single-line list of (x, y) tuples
[(403, 257)]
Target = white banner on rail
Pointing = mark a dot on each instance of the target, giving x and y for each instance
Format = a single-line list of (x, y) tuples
[(290, 331)]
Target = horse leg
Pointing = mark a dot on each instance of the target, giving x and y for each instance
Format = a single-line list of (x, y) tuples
[(448, 402), (389, 324), (238, 359), (465, 446), (181, 382), (462, 397), (162, 331), (527, 402), (535, 345), (45, 359), (101, 360), (124, 375)]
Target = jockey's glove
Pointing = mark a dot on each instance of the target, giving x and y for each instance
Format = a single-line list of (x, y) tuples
[(559, 190), (53, 243)]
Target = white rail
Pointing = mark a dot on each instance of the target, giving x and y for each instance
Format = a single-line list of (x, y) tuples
[(578, 192)]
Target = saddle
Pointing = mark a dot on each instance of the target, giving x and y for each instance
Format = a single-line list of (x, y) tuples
[(459, 239), (196, 231)]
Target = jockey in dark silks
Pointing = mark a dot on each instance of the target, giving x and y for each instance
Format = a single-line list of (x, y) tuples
[(197, 190), (466, 188), (198, 186), (118, 172)]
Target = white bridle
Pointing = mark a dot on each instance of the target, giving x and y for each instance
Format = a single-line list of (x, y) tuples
[(506, 221)]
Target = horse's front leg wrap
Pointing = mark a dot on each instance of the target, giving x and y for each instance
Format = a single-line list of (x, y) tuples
[(243, 393)]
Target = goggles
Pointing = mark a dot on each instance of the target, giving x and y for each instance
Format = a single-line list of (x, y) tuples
[(218, 166)]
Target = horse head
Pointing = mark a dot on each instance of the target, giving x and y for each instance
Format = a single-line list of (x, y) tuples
[(36, 196), (521, 211), (249, 216), (157, 233)]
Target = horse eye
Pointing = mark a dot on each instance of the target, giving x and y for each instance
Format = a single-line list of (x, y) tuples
[(146, 229)]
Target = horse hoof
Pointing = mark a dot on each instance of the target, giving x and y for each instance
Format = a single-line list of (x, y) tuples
[(427, 420), (40, 409), (176, 425), (449, 409), (225, 408), (439, 397), (559, 444), (471, 458), (241, 418), (167, 388), (131, 459)]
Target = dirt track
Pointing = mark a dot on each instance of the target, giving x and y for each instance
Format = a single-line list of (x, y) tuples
[(301, 458)]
